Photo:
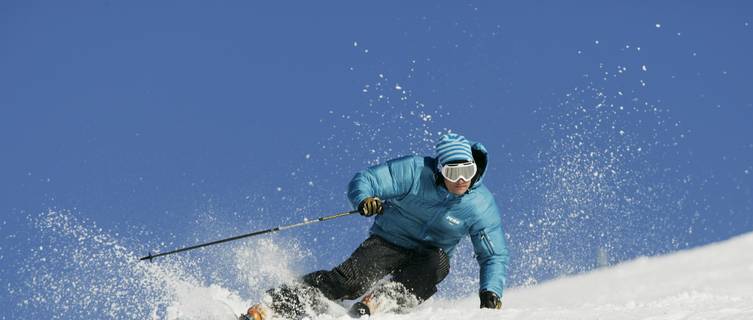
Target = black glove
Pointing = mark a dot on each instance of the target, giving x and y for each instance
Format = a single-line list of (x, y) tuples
[(490, 300), (370, 206)]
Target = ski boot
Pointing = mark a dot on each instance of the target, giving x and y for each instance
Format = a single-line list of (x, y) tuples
[(256, 312), (386, 297), (363, 307), (294, 301)]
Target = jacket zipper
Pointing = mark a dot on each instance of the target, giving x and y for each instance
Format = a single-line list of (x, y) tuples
[(434, 218), (429, 223)]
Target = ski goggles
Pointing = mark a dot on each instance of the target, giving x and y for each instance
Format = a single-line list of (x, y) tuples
[(456, 171)]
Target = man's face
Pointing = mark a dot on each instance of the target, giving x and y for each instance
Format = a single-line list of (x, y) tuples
[(459, 187)]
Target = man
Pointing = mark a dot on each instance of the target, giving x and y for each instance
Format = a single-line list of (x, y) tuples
[(423, 207)]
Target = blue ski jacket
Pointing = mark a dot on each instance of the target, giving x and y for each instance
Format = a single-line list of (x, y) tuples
[(419, 211)]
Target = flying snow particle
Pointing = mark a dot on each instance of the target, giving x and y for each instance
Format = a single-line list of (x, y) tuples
[(279, 189), (643, 67), (398, 87), (355, 43), (596, 42), (658, 25), (308, 156)]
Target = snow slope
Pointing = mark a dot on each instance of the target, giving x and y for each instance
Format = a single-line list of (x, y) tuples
[(710, 282)]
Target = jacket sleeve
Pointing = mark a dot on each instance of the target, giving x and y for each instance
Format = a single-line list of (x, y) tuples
[(491, 251), (391, 179)]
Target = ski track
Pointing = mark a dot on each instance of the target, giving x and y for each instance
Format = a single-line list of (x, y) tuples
[(713, 282)]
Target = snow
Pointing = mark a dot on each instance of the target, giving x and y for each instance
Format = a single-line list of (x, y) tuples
[(710, 283)]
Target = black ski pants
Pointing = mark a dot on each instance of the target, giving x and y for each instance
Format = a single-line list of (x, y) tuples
[(419, 270)]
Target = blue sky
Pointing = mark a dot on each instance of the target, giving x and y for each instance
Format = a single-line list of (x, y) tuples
[(609, 124)]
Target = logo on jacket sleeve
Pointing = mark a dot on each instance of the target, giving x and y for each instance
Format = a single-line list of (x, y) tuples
[(452, 220)]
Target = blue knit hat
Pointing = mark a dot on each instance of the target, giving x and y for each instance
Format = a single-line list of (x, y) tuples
[(453, 147)]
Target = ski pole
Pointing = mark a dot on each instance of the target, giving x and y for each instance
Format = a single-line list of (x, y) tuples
[(255, 233)]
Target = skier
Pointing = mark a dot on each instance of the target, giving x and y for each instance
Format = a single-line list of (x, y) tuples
[(423, 207)]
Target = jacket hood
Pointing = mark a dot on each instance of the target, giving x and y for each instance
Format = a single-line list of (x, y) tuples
[(481, 157)]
